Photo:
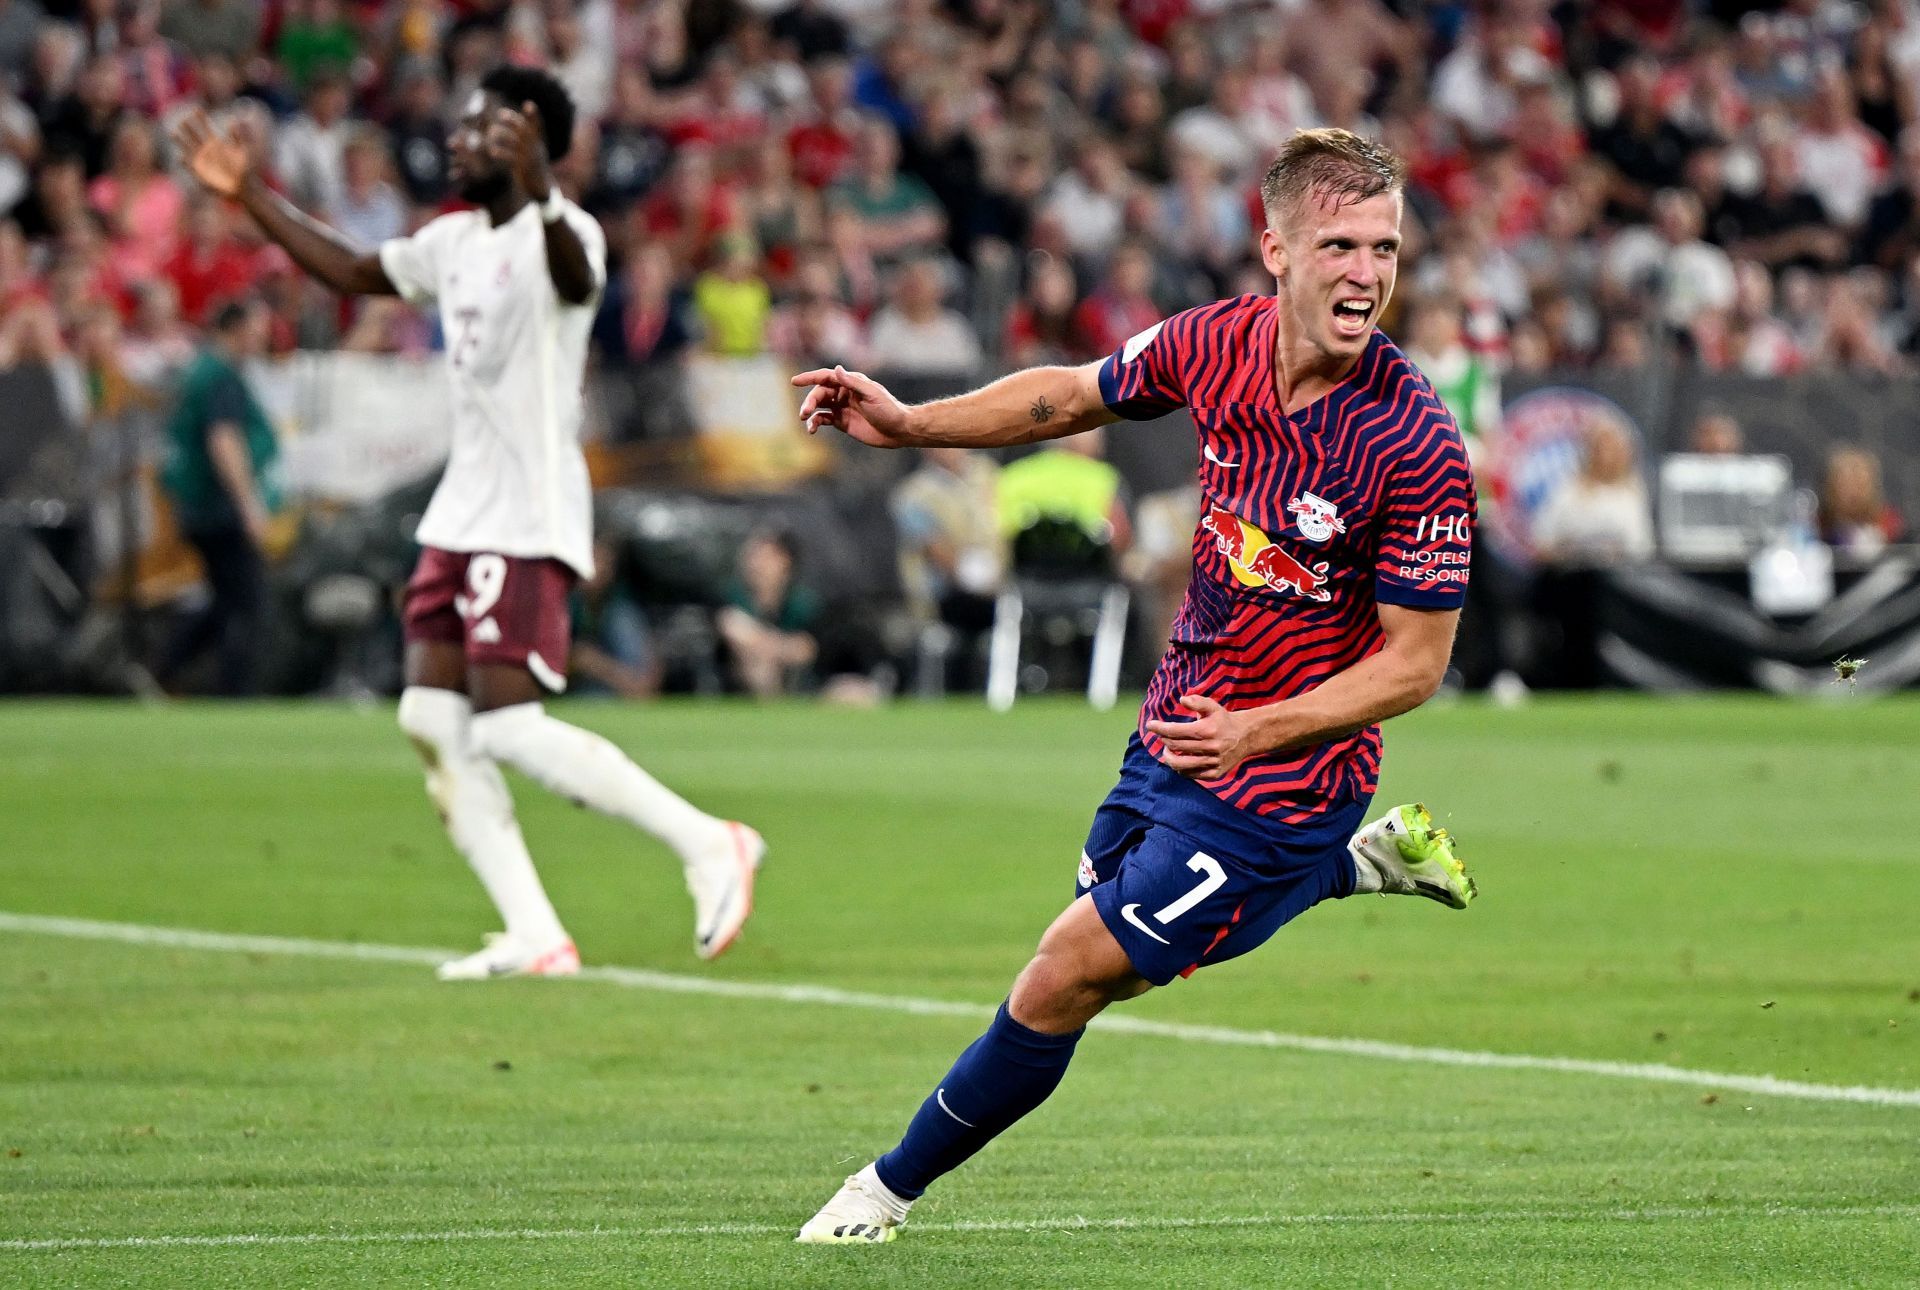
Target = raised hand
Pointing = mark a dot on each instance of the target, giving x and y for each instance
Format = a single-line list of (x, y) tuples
[(216, 158), (853, 403), (518, 141)]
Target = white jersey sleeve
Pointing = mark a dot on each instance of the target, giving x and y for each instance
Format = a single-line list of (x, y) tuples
[(414, 263)]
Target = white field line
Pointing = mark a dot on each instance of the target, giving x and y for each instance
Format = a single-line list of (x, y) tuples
[(642, 979), (1700, 1214)]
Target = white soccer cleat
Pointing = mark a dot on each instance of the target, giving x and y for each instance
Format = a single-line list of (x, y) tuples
[(721, 882), (862, 1212), (504, 955), (1407, 856)]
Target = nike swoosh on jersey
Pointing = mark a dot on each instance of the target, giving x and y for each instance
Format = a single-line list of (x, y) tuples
[(1126, 912), (1224, 465)]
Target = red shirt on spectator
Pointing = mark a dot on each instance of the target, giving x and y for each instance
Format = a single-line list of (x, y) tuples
[(1105, 320), (207, 276), (822, 152)]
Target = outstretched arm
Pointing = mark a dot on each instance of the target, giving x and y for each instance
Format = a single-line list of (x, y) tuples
[(1039, 403), (222, 163), (1400, 676)]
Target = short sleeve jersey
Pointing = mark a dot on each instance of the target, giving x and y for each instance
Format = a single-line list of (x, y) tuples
[(1308, 522), (516, 481)]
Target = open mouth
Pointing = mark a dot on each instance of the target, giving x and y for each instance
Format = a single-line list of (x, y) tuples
[(1352, 317)]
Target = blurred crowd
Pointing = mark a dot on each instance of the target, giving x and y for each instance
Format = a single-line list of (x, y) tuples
[(935, 186), (936, 189)]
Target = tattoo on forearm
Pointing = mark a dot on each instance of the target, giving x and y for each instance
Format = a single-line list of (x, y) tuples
[(1041, 411)]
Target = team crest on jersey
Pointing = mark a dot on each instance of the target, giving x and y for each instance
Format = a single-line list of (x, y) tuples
[(1316, 517), (1258, 561)]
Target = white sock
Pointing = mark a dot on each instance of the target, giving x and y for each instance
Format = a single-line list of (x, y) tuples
[(478, 810), (585, 768), (1365, 877), (898, 1205)]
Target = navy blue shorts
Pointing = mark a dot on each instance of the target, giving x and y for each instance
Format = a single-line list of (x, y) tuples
[(1183, 880)]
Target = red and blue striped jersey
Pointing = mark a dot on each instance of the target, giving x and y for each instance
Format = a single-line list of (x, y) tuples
[(1308, 521)]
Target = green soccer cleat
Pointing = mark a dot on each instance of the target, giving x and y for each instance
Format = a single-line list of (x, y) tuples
[(1403, 854)]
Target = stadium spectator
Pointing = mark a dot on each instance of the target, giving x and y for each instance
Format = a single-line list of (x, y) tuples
[(646, 317), (1644, 149), (1855, 516), (1783, 224), (1068, 481), (1090, 199), (732, 302), (315, 37), (613, 651), (19, 147), (781, 215), (369, 209), (209, 265), (1670, 264), (917, 335), (824, 138), (219, 475), (768, 619), (634, 151), (1465, 381), (1120, 307), (141, 204), (813, 329), (20, 22), (1890, 236), (1478, 86), (1040, 326), (1600, 515), (1851, 340), (1840, 160), (896, 212), (953, 556), (1715, 433), (230, 28), (157, 343), (84, 122), (1204, 223), (688, 211), (310, 151)]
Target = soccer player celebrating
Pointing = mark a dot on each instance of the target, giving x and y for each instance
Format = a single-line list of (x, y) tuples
[(1328, 570), (509, 529)]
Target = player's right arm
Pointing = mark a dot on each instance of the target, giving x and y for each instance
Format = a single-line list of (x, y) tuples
[(1038, 403), (223, 164)]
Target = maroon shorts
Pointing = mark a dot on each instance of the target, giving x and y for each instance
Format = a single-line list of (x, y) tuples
[(498, 608)]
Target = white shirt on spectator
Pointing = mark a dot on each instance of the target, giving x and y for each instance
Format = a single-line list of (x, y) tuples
[(939, 346), (1843, 168), (1686, 278), (380, 217), (311, 158), (516, 481), (1589, 523), (1230, 142), (1091, 220)]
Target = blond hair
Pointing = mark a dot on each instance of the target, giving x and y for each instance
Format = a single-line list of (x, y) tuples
[(1335, 165)]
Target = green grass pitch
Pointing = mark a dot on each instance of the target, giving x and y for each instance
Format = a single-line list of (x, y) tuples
[(1720, 885)]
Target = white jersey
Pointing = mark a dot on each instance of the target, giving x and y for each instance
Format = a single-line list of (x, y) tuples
[(516, 482)]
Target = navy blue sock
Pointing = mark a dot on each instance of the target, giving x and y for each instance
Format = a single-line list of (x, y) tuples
[(1004, 1074)]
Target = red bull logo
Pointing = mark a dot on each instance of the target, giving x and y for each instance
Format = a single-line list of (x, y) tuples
[(1257, 562)]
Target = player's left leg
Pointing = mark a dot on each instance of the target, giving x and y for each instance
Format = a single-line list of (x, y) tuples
[(1077, 971), (720, 857)]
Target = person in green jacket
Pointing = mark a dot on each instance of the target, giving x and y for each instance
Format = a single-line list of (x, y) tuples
[(220, 472)]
